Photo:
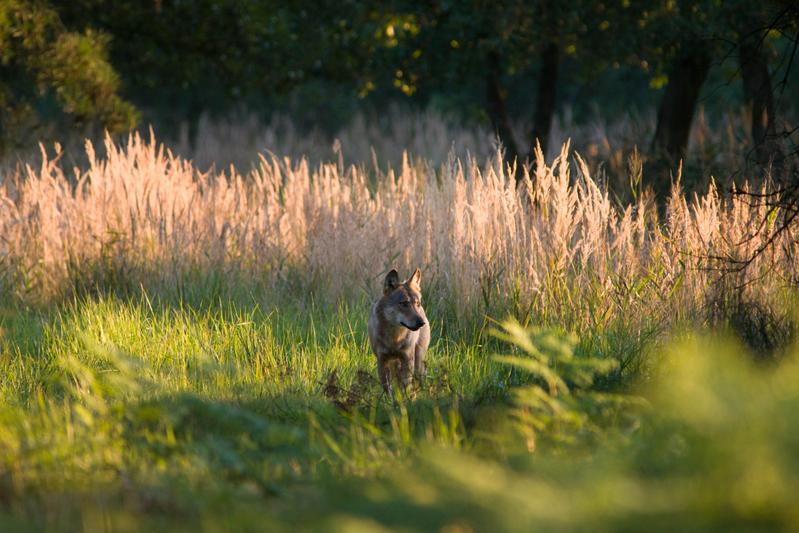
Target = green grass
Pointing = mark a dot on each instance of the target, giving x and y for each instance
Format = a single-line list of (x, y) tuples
[(221, 350), (123, 414), (130, 400)]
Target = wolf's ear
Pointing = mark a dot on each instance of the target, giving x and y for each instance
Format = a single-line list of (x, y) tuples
[(416, 279), (391, 282)]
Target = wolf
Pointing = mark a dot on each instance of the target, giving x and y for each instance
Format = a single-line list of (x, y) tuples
[(399, 332)]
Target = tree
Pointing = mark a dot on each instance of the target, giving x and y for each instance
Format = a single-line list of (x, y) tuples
[(458, 42), (759, 97), (546, 99), (713, 32), (676, 113), (39, 57), (677, 107), (752, 26), (780, 202)]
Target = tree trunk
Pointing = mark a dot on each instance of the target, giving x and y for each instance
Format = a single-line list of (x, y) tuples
[(759, 97), (676, 113), (545, 101), (497, 110)]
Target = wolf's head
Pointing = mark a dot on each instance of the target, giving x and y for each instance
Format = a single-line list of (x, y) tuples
[(403, 301)]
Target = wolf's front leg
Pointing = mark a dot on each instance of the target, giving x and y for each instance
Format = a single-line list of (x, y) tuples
[(384, 373), (406, 370), (420, 352), (418, 368)]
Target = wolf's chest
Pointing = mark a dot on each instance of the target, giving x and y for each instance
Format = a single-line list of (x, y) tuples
[(406, 343), (401, 347)]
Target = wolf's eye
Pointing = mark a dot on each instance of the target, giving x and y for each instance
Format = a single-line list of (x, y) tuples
[(405, 304)]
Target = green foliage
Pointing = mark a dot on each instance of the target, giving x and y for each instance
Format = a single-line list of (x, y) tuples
[(172, 408), (236, 52), (39, 56), (715, 450), (85, 84), (269, 55), (560, 407), (134, 415)]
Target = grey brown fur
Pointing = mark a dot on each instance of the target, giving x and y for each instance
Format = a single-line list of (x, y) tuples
[(399, 331)]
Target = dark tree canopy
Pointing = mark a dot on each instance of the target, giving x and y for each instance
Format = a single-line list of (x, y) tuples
[(40, 57), (510, 63)]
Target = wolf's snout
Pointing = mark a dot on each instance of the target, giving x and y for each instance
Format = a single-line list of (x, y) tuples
[(417, 325)]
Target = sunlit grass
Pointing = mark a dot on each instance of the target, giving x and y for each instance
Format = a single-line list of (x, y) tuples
[(183, 350), (130, 414), (129, 397)]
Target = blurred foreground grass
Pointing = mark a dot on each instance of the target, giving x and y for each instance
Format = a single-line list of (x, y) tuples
[(121, 415)]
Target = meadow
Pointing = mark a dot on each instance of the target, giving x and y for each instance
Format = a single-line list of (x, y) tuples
[(185, 348)]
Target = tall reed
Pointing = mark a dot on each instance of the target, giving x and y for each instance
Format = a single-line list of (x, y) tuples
[(554, 245)]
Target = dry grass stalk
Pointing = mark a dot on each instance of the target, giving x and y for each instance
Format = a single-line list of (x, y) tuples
[(143, 215)]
